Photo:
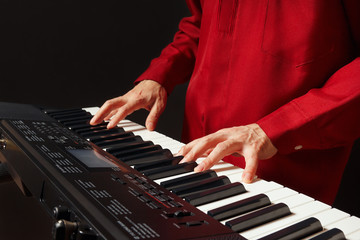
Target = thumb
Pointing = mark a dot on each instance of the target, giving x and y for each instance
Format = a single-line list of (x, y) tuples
[(250, 168)]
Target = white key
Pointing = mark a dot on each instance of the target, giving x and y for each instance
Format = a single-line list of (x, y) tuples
[(329, 217), (218, 168), (296, 200), (91, 110), (260, 185), (134, 128), (348, 225), (354, 236), (264, 186), (291, 201), (174, 149), (159, 181), (299, 213), (281, 193)]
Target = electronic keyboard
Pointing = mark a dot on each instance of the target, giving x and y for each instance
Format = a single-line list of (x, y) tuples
[(126, 183)]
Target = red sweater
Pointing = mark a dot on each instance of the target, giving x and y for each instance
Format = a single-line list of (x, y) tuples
[(293, 67)]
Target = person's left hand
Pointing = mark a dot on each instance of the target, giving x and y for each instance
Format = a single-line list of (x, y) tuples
[(249, 141)]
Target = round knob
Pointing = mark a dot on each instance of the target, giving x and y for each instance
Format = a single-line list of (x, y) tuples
[(62, 212), (2, 144), (86, 233), (64, 230)]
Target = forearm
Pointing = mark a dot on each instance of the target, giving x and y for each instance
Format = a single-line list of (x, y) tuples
[(323, 118), (176, 62)]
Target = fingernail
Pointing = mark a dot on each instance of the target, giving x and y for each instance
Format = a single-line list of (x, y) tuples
[(247, 178), (178, 154), (183, 160), (150, 126), (199, 168)]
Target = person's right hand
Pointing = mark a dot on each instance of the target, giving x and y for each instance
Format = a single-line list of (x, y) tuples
[(147, 94)]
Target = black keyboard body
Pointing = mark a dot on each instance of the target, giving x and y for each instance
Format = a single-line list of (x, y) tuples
[(89, 192)]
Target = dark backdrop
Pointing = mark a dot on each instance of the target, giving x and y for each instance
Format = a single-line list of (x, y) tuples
[(81, 53), (75, 54)]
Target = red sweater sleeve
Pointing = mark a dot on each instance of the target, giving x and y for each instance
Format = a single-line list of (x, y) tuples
[(176, 62), (327, 117)]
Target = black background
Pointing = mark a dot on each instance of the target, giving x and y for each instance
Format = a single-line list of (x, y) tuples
[(81, 53), (69, 54)]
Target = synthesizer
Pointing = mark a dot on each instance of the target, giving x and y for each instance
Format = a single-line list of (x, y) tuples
[(126, 183)]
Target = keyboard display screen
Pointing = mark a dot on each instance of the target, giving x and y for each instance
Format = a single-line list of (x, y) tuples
[(91, 158)]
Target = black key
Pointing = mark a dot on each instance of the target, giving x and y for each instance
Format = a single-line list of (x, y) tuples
[(62, 117), (258, 217), (200, 186), (123, 152), (90, 129), (182, 181), (97, 139), (168, 171), (332, 234), (86, 125), (152, 156), (118, 143), (240, 207), (76, 122), (131, 145), (298, 230), (158, 164), (103, 132), (75, 119), (215, 194), (64, 111)]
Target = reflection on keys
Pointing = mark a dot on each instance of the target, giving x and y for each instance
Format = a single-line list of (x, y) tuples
[(261, 210)]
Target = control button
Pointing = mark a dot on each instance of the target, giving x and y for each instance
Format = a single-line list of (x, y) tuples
[(147, 186), (117, 179), (194, 223), (175, 204), (133, 176), (167, 198), (61, 212), (140, 180), (2, 144), (144, 199), (64, 230), (153, 193), (86, 233), (134, 192), (178, 214), (182, 213), (154, 205)]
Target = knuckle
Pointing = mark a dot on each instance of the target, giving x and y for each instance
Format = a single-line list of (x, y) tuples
[(190, 155), (185, 149), (110, 103), (222, 146)]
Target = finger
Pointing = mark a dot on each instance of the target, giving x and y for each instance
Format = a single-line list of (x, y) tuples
[(110, 115), (156, 110), (199, 147), (181, 151), (184, 150), (121, 114), (106, 109), (221, 150), (250, 167)]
